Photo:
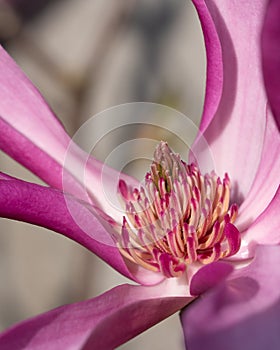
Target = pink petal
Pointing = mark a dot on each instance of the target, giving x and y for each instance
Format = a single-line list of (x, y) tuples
[(236, 133), (209, 276), (267, 179), (214, 79), (30, 132), (104, 322), (242, 313), (265, 230), (271, 56), (4, 176), (47, 207), (32, 135), (56, 211)]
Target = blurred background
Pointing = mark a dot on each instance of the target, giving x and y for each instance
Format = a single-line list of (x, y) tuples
[(86, 56)]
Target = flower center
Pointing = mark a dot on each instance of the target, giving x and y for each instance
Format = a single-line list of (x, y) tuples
[(178, 218)]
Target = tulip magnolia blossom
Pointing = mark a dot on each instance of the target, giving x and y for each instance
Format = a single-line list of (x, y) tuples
[(189, 234)]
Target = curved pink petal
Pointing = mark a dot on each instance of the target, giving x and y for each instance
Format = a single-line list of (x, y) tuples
[(209, 276), (52, 209), (236, 133), (214, 78), (267, 179), (265, 230), (242, 313), (104, 322), (271, 56), (56, 211), (30, 132), (4, 176), (26, 152), (32, 135)]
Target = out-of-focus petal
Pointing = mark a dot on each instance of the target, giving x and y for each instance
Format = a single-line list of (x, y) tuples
[(271, 56), (104, 322), (267, 179), (32, 135), (30, 132), (236, 133), (214, 78), (242, 313), (54, 210)]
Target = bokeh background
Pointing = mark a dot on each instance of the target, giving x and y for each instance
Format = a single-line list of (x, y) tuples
[(86, 56)]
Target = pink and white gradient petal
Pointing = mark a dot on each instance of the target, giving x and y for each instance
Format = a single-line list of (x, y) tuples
[(267, 179), (104, 322), (265, 230), (236, 132)]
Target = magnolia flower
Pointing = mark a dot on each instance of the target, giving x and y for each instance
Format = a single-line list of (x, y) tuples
[(198, 234)]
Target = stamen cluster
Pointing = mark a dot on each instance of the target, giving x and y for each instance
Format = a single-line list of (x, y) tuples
[(178, 218)]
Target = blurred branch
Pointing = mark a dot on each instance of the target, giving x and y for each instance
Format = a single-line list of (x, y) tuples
[(14, 13)]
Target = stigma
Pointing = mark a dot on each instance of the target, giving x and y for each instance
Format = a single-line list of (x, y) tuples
[(179, 217)]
